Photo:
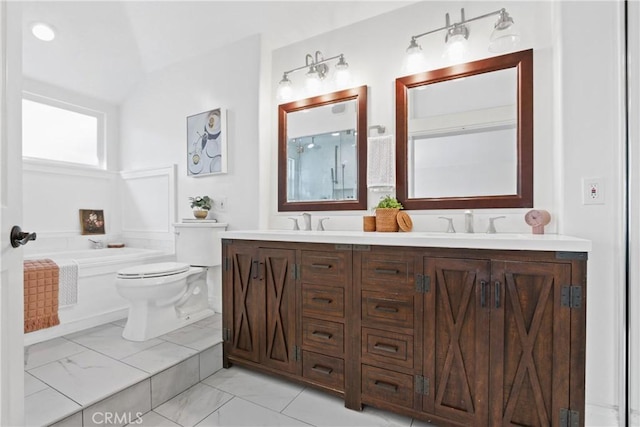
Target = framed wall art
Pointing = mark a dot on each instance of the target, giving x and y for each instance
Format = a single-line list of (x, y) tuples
[(207, 143), (91, 221)]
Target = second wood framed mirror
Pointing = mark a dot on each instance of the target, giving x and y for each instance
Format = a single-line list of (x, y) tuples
[(322, 152), (465, 135)]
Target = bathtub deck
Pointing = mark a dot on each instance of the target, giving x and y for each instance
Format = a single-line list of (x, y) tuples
[(82, 377)]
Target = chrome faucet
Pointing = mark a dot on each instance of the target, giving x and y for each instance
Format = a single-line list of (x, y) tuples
[(320, 224), (295, 223), (492, 227), (97, 244), (307, 221), (450, 228), (468, 221)]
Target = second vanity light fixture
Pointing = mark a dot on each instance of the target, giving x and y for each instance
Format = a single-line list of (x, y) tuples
[(504, 37), (317, 71)]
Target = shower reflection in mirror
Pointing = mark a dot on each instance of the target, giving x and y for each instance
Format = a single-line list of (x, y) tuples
[(322, 166)]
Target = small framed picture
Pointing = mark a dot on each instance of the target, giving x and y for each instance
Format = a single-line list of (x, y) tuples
[(91, 221), (207, 143)]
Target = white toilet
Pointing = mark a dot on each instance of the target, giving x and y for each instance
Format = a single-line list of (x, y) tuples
[(169, 295)]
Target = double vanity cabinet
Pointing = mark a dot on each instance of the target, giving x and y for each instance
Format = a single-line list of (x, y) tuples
[(469, 331)]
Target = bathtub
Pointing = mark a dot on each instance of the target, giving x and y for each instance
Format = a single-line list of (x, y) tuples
[(98, 300)]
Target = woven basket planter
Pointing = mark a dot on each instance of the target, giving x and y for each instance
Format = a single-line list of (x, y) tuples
[(386, 219)]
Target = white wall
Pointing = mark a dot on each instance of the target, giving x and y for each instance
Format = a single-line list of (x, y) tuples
[(153, 126), (54, 193), (578, 123)]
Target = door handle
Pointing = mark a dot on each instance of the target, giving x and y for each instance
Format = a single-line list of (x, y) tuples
[(483, 292), (19, 237)]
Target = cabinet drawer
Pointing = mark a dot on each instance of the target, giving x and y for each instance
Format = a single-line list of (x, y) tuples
[(387, 348), (389, 273), (324, 268), (380, 309), (326, 370), (322, 300), (322, 336), (387, 386)]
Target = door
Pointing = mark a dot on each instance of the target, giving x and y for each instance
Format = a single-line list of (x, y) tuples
[(11, 290), (456, 358), (278, 281), (244, 302), (530, 343)]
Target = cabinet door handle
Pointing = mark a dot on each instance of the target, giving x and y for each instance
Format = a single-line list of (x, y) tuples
[(483, 292), (254, 269), (386, 386), (386, 309), (497, 294), (386, 347), (386, 271), (321, 334), (322, 266), (322, 369), (323, 300)]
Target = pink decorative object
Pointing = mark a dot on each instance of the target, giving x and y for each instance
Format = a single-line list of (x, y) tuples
[(537, 219)]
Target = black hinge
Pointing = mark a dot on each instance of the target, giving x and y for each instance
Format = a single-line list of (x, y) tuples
[(344, 247), (572, 255), (569, 418), (226, 334), (423, 283), (297, 353), (422, 385), (295, 271), (571, 296)]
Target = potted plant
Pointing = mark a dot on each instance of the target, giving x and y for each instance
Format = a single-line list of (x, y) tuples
[(201, 206), (386, 214)]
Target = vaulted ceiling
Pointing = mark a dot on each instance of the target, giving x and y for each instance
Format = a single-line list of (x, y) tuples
[(104, 48)]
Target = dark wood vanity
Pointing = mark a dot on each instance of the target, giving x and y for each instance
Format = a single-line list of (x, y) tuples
[(451, 335)]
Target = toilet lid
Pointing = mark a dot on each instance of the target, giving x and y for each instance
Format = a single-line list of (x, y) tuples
[(153, 270)]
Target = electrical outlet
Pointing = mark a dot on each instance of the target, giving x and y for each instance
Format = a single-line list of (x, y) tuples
[(221, 204), (592, 191)]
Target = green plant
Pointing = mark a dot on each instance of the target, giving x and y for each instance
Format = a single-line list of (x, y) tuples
[(203, 202), (389, 202)]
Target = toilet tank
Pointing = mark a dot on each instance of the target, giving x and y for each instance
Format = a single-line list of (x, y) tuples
[(198, 243)]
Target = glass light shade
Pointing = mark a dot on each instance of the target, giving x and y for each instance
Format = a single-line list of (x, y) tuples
[(414, 60), (313, 82), (456, 48), (503, 40), (43, 32), (343, 78), (285, 91)]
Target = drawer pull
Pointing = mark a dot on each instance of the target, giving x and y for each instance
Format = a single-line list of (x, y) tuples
[(386, 347), (322, 369), (321, 334), (323, 300), (386, 309), (323, 266), (386, 271), (386, 386)]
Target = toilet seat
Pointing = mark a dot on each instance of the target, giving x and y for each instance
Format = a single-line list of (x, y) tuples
[(147, 271)]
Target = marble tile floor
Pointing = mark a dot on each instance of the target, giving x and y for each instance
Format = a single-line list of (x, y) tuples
[(175, 380), (68, 374)]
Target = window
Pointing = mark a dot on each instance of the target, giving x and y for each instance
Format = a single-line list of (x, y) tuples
[(62, 132)]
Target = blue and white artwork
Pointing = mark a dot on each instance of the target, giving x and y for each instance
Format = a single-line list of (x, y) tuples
[(206, 143)]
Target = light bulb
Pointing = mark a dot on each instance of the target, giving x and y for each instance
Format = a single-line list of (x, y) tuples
[(285, 91), (414, 60), (313, 83), (456, 48)]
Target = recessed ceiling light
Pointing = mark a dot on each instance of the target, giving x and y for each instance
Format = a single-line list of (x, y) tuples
[(43, 31)]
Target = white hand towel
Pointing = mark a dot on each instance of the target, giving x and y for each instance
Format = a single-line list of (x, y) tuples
[(67, 282), (381, 165)]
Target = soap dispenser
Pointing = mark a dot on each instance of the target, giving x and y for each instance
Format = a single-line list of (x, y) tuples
[(468, 221)]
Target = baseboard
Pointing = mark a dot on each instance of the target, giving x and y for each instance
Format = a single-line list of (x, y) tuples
[(602, 416), (75, 326)]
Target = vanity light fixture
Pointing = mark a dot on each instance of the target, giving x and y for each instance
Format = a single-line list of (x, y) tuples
[(504, 37), (317, 71)]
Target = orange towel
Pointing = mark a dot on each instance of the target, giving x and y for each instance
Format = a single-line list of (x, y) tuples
[(40, 294)]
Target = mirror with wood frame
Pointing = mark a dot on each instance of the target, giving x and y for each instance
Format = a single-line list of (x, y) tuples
[(465, 135), (322, 152)]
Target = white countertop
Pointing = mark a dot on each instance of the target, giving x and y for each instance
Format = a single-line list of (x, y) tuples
[(500, 241)]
